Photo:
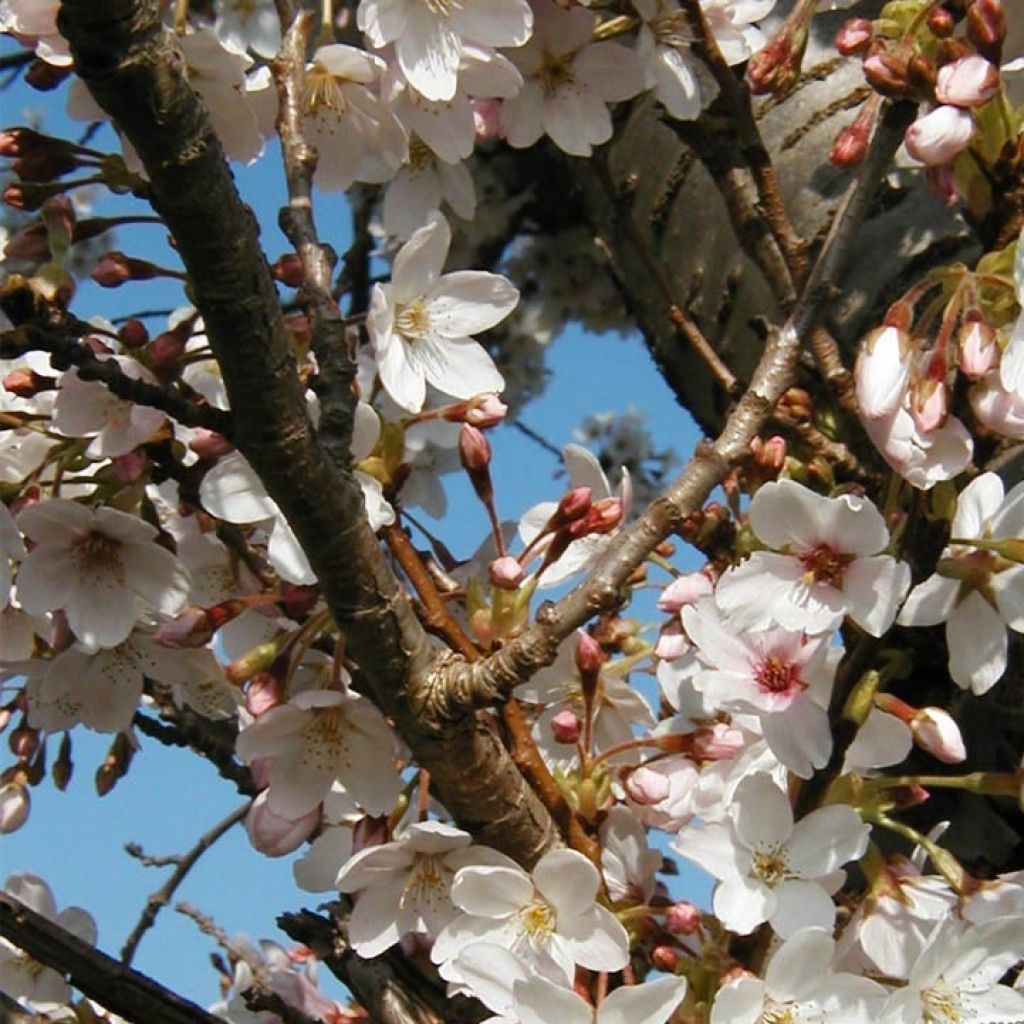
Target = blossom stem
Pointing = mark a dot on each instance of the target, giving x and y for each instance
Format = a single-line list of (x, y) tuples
[(945, 863), (985, 783), (625, 745)]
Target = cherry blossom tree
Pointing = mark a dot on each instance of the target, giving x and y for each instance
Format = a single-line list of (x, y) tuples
[(795, 664)]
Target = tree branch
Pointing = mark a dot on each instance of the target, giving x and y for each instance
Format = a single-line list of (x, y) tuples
[(184, 865), (491, 680), (132, 66), (118, 988)]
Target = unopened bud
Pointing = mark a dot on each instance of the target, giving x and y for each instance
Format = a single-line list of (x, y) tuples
[(941, 22), (938, 137), (682, 918), (854, 38), (566, 726), (26, 383), (969, 82), (986, 28), (264, 691), (475, 454), (166, 350), (133, 334), (851, 144), (921, 74), (30, 244), (776, 68), (769, 457), (888, 74), (208, 444), (24, 742), (718, 742), (288, 270), (929, 405), (796, 404), (684, 590), (115, 764), (671, 643), (63, 767), (192, 628), (485, 411), (978, 351), (275, 835), (506, 573), (647, 787), (602, 517), (665, 958), (297, 599), (114, 268), (15, 805), (936, 731), (486, 119), (130, 467)]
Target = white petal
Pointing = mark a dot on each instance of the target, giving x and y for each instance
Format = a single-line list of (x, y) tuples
[(468, 302), (539, 1001), (800, 965), (976, 637), (493, 892), (742, 904), (649, 1003), (801, 905), (458, 366)]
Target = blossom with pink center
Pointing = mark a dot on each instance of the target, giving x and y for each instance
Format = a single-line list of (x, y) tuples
[(770, 868), (100, 566), (825, 561)]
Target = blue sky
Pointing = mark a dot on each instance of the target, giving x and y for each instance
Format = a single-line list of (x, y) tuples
[(75, 840)]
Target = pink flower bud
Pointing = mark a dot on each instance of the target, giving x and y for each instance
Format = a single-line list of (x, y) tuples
[(475, 453), (298, 600), (288, 270), (264, 691), (978, 350), (566, 726), (929, 405), (968, 82), (31, 244), (941, 23), (208, 444), (881, 372), (602, 517), (719, 742), (665, 958), (24, 742), (682, 918), (485, 412), (165, 350), (888, 74), (506, 573), (275, 835), (573, 505), (851, 145), (14, 807), (192, 628), (133, 334), (986, 28), (939, 137), (131, 466), (935, 731), (114, 268), (854, 38), (646, 786), (486, 119), (589, 657), (671, 643), (26, 383), (684, 590)]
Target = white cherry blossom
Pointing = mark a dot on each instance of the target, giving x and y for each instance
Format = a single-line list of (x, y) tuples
[(249, 25), (568, 82), (320, 737), (976, 592), (429, 35), (769, 868), (669, 68), (548, 918), (800, 985), (101, 566), (406, 885), (422, 321), (825, 561)]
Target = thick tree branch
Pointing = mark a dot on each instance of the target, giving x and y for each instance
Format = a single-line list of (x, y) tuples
[(132, 66), (120, 989)]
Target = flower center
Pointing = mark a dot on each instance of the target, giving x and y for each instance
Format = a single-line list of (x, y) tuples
[(776, 676), (324, 90), (412, 320), (778, 1013), (536, 920), (555, 73), (325, 741), (96, 552), (421, 156), (825, 565), (771, 865), (428, 884), (940, 1004)]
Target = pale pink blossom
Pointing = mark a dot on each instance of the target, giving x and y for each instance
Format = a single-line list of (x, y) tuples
[(882, 372), (970, 81), (275, 835), (938, 137)]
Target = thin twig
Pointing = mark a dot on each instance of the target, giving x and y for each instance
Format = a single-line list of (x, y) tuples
[(113, 985), (187, 861), (537, 438)]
